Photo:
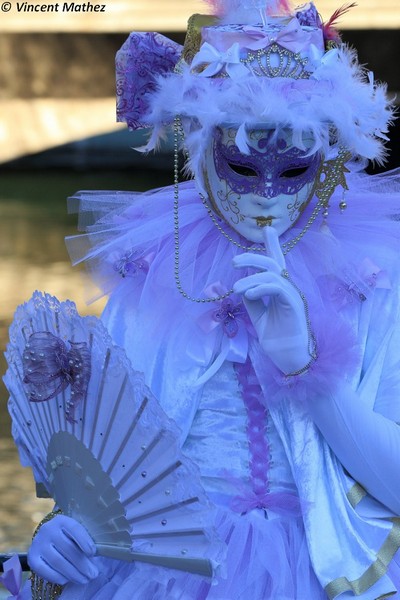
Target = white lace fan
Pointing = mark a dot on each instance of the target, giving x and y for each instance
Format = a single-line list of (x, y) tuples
[(98, 440)]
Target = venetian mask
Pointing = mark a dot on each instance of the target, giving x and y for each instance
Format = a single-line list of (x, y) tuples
[(269, 184)]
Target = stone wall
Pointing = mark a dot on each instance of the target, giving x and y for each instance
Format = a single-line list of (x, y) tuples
[(58, 86)]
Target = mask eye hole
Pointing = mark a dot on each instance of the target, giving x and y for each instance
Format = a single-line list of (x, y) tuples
[(295, 172), (243, 170)]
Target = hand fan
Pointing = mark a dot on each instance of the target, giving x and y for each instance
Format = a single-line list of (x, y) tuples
[(100, 443)]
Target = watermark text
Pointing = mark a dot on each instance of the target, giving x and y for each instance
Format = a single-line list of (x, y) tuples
[(56, 7)]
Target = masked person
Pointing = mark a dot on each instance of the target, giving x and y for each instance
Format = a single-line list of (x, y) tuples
[(262, 309)]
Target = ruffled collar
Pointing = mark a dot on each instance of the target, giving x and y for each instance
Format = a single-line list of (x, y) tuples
[(132, 246)]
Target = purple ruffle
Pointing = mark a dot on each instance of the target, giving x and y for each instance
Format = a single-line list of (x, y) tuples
[(337, 356), (141, 59)]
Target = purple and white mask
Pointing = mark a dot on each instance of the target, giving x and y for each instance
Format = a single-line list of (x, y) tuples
[(270, 185)]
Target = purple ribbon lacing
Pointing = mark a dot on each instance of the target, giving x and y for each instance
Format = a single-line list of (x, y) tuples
[(50, 367), (259, 495)]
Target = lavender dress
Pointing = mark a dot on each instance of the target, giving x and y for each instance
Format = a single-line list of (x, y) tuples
[(287, 509)]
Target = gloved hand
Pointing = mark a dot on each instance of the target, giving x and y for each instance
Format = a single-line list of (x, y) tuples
[(62, 551), (275, 307)]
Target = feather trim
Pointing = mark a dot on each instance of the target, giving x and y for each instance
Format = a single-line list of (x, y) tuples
[(338, 355), (338, 95)]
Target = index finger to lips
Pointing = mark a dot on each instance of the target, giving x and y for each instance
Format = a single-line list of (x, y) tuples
[(272, 246)]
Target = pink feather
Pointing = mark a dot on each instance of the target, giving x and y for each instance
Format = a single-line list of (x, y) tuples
[(216, 7), (329, 28), (284, 6), (278, 7)]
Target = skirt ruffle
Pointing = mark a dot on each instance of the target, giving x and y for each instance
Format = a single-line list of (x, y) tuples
[(267, 559)]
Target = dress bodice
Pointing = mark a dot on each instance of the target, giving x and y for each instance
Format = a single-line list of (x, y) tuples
[(232, 439)]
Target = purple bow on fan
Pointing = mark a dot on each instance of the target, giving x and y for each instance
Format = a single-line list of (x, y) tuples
[(50, 367)]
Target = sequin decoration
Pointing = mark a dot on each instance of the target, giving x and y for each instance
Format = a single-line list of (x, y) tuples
[(130, 264), (275, 61), (228, 314)]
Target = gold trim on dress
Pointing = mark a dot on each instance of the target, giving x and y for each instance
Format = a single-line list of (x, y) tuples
[(355, 494), (374, 572)]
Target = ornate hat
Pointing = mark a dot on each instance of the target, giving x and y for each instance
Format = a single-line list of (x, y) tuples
[(252, 62)]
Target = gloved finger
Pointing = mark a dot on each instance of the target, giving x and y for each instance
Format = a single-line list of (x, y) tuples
[(266, 290), (78, 534), (272, 246), (274, 298), (67, 554), (255, 309), (256, 261), (63, 529), (59, 551), (242, 285), (257, 301), (52, 566)]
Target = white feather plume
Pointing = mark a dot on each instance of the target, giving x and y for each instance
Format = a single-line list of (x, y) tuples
[(338, 95)]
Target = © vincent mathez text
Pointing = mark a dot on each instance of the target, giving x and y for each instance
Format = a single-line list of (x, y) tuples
[(61, 7)]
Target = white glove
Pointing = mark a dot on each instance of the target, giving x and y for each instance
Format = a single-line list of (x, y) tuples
[(275, 307), (62, 551)]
